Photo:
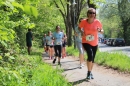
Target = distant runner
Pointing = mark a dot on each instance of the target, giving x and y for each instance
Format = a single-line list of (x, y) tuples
[(58, 37)]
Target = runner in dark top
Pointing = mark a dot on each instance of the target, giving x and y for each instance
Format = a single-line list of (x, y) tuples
[(29, 38)]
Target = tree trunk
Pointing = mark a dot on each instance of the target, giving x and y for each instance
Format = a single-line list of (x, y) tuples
[(68, 25)]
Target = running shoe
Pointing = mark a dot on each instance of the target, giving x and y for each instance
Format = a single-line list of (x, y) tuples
[(59, 63), (88, 76), (81, 66), (91, 76), (54, 61)]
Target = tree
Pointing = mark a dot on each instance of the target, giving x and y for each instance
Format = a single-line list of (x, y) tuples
[(67, 9), (123, 7), (13, 16), (109, 15)]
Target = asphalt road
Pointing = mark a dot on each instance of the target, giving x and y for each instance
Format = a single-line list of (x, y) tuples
[(106, 48)]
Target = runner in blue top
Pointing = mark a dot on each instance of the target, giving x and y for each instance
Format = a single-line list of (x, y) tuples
[(78, 40), (49, 40), (58, 37)]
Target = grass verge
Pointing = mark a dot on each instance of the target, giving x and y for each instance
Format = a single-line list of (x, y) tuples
[(30, 70)]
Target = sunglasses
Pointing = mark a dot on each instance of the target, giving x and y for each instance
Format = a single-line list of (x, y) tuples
[(91, 12)]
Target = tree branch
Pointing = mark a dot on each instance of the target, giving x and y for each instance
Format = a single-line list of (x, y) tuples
[(59, 9), (91, 4), (63, 7)]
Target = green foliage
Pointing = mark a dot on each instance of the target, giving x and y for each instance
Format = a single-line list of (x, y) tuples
[(10, 78), (115, 18), (13, 24), (7, 36), (15, 4), (15, 19), (123, 7), (127, 36), (31, 10), (111, 20), (47, 19), (31, 71)]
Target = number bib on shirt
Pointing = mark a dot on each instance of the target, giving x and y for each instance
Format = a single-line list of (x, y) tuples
[(58, 43), (49, 43), (90, 37)]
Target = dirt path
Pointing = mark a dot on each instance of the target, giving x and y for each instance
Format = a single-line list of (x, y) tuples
[(102, 75)]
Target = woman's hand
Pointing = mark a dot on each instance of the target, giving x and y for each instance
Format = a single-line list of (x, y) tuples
[(82, 33), (75, 33), (100, 30)]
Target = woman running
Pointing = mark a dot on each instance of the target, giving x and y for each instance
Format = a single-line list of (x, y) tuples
[(58, 37), (49, 40), (89, 29)]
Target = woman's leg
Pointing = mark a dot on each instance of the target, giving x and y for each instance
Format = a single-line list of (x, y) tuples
[(88, 49), (59, 53), (56, 53), (53, 52), (49, 51), (63, 50), (94, 49), (81, 52)]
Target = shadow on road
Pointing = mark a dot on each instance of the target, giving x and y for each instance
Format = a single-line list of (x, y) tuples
[(70, 61), (79, 81), (71, 69)]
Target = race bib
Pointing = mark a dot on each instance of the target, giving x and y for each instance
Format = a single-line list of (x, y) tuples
[(90, 37), (58, 43), (50, 43)]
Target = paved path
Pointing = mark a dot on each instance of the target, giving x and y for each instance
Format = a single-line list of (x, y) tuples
[(102, 75)]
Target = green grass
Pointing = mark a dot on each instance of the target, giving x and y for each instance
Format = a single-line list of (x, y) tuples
[(30, 70), (43, 74), (72, 51), (117, 60)]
